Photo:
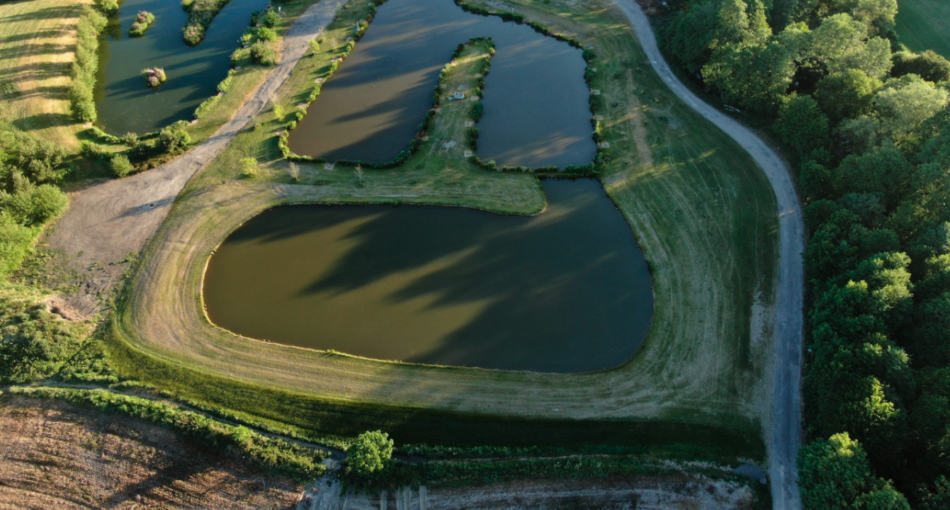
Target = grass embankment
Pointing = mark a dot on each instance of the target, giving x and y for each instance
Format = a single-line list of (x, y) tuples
[(702, 211), (925, 25), (37, 45)]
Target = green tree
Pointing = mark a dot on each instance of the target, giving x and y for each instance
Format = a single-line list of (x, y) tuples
[(802, 126), (834, 474), (846, 94), (173, 139), (882, 170), (691, 33), (369, 453), (841, 43), (929, 65)]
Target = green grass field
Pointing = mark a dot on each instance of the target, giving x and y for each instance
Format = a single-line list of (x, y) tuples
[(700, 208), (925, 25)]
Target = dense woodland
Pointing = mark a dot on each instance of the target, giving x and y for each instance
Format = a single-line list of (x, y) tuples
[(867, 126)]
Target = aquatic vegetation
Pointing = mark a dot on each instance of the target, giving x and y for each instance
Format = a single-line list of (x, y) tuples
[(154, 77), (143, 20)]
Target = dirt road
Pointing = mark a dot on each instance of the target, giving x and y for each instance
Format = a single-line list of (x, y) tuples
[(107, 221), (785, 436)]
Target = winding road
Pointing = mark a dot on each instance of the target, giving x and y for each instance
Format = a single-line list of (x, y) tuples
[(107, 221), (785, 427)]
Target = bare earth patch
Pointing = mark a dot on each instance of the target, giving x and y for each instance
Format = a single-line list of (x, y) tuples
[(55, 455)]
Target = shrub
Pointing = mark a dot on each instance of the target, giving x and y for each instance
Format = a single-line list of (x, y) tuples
[(200, 15), (109, 7), (278, 112), (478, 110), (263, 54), (35, 343), (369, 453), (249, 168), (270, 19), (154, 77), (143, 20), (173, 139), (266, 34), (120, 165)]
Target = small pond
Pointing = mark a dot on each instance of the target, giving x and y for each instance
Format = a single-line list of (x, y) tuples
[(123, 101), (565, 291), (536, 100)]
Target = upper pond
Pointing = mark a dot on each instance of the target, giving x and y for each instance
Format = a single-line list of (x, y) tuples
[(565, 291), (123, 101), (535, 97)]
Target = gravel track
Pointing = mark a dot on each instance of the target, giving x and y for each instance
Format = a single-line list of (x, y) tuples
[(107, 221), (785, 436)]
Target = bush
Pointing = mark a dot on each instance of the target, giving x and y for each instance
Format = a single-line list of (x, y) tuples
[(35, 343), (120, 165), (109, 7), (478, 110), (154, 77), (249, 168), (173, 140), (143, 20), (266, 34), (263, 54), (270, 19), (369, 453)]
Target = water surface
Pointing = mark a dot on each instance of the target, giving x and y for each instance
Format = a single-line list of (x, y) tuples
[(536, 100), (123, 101), (564, 291)]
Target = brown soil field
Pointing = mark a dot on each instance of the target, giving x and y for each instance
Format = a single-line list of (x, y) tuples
[(55, 455)]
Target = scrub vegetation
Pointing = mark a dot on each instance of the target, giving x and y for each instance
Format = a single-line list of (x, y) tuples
[(868, 132), (702, 211), (143, 20)]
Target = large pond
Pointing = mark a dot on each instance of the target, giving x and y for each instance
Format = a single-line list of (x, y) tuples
[(123, 101), (536, 109), (565, 291)]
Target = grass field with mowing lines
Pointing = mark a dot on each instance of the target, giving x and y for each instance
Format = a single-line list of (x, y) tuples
[(37, 44), (701, 210), (924, 25)]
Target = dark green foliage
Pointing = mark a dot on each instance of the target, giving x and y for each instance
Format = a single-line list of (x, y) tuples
[(928, 65), (271, 453), (834, 474), (35, 343), (802, 126), (846, 94)]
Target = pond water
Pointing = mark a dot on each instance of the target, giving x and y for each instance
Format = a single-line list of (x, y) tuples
[(535, 97), (123, 101), (565, 291)]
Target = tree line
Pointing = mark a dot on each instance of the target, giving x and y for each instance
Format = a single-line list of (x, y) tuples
[(866, 124)]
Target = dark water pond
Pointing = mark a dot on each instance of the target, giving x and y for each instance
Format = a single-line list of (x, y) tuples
[(123, 101), (564, 291), (536, 110)]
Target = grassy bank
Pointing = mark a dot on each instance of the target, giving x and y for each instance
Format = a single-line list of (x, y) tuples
[(924, 25), (699, 207)]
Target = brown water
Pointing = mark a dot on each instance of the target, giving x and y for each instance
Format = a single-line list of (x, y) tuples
[(564, 291), (536, 110)]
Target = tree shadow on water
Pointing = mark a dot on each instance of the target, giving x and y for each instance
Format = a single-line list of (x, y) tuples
[(565, 291)]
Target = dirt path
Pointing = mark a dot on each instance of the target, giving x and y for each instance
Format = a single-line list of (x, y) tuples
[(785, 437), (107, 221)]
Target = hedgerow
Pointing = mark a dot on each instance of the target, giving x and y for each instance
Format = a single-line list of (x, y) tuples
[(86, 64)]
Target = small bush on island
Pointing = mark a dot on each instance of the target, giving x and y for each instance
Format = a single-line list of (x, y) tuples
[(154, 77), (143, 20), (200, 14)]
